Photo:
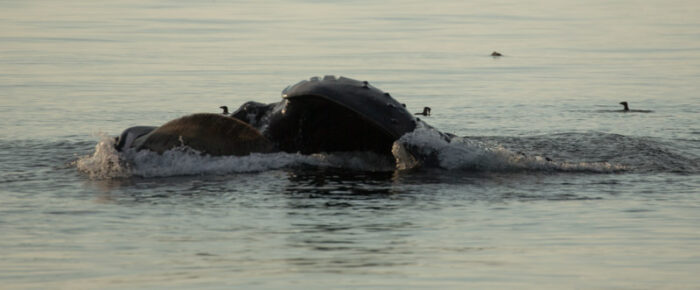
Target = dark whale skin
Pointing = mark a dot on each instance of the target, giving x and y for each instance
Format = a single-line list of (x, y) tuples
[(212, 134), (330, 115), (318, 115), (360, 97)]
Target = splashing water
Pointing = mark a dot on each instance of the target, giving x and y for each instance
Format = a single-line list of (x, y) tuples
[(464, 154), (455, 153), (107, 163)]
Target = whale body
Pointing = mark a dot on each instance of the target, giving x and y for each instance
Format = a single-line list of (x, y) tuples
[(326, 114)]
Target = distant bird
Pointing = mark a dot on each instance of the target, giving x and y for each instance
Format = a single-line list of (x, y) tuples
[(627, 108), (225, 108), (496, 54), (426, 111)]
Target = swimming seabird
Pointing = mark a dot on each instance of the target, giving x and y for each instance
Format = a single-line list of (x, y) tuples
[(426, 111), (225, 108), (627, 108)]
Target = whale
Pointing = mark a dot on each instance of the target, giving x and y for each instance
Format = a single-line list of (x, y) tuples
[(319, 115)]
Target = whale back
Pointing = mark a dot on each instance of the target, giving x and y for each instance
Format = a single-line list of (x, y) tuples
[(212, 134), (362, 98), (318, 115)]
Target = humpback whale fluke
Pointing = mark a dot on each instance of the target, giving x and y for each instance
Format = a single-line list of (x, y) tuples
[(627, 108), (426, 112), (225, 108)]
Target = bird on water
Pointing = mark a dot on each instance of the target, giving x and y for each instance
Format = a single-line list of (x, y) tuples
[(627, 108), (426, 112), (225, 108)]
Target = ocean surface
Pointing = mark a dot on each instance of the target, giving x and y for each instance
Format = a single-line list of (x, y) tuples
[(617, 207)]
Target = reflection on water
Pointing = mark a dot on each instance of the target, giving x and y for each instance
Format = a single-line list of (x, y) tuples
[(335, 225), (333, 182)]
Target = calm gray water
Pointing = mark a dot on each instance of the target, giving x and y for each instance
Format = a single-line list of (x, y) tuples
[(617, 208)]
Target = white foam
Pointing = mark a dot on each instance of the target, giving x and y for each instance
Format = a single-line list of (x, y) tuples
[(106, 162), (465, 154), (455, 154)]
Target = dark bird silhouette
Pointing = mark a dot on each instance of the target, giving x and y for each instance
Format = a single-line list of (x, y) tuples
[(225, 108), (627, 108), (426, 111), (496, 53)]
